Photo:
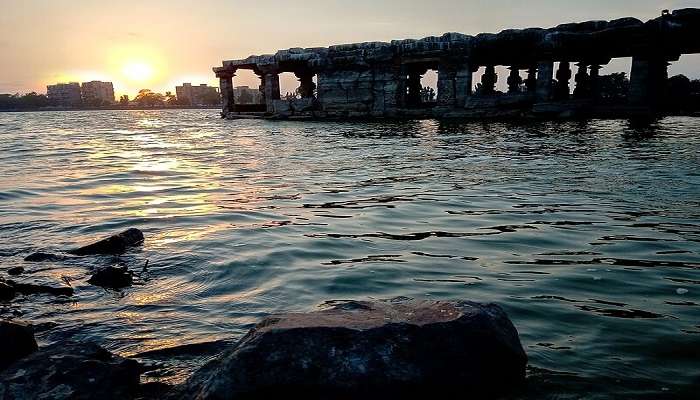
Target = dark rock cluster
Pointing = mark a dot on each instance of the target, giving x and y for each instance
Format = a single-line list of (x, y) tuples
[(109, 277), (71, 371), (398, 348)]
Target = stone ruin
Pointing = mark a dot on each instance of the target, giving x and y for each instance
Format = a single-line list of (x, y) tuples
[(383, 80)]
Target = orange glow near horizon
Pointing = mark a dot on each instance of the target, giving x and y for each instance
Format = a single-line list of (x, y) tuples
[(135, 66)]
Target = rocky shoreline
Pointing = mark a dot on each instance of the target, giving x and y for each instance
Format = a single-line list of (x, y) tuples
[(349, 349), (346, 349)]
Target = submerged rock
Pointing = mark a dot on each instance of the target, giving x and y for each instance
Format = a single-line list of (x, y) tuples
[(112, 277), (44, 257), (7, 291), (40, 286), (384, 349), (16, 341), (71, 371), (16, 271), (116, 244)]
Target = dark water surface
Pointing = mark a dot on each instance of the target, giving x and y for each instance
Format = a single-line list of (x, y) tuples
[(588, 234)]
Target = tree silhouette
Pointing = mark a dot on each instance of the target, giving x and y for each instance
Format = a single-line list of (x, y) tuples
[(147, 98)]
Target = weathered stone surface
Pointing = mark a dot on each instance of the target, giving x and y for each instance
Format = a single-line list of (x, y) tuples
[(387, 349), (70, 371), (112, 277), (16, 341), (116, 244)]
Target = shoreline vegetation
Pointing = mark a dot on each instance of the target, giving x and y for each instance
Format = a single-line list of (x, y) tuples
[(145, 100)]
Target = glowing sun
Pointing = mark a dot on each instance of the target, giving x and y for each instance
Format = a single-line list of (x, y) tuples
[(138, 71)]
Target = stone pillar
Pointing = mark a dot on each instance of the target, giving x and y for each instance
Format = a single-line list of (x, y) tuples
[(226, 90), (261, 87), (488, 80), (514, 80), (272, 89), (545, 73), (306, 84), (401, 85), (563, 77), (582, 81), (648, 80), (463, 84), (413, 89), (446, 86), (594, 81), (531, 81)]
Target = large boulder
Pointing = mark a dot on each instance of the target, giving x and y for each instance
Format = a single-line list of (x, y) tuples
[(16, 341), (70, 371), (384, 349), (116, 244)]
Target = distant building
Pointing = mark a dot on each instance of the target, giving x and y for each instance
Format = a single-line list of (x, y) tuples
[(197, 95), (64, 94), (247, 95), (98, 93)]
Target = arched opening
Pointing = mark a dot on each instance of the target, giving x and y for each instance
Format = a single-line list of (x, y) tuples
[(613, 84), (683, 86), (246, 88), (247, 93), (289, 85), (429, 87)]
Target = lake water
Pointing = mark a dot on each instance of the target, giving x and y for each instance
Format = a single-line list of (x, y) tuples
[(587, 233)]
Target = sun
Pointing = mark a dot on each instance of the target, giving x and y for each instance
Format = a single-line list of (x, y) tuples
[(138, 71)]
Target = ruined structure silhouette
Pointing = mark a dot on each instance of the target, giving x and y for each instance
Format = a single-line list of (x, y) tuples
[(382, 80)]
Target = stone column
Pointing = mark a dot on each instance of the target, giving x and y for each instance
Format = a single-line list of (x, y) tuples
[(306, 84), (563, 77), (413, 89), (446, 86), (400, 84), (582, 81), (594, 81), (463, 84), (648, 80), (531, 81), (272, 89), (488, 80), (545, 73), (226, 90), (514, 80)]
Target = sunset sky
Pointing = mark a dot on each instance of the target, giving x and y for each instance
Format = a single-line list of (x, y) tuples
[(157, 44)]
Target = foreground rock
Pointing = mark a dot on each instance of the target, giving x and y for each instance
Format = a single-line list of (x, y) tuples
[(71, 371), (16, 341), (112, 277), (382, 350), (116, 244)]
